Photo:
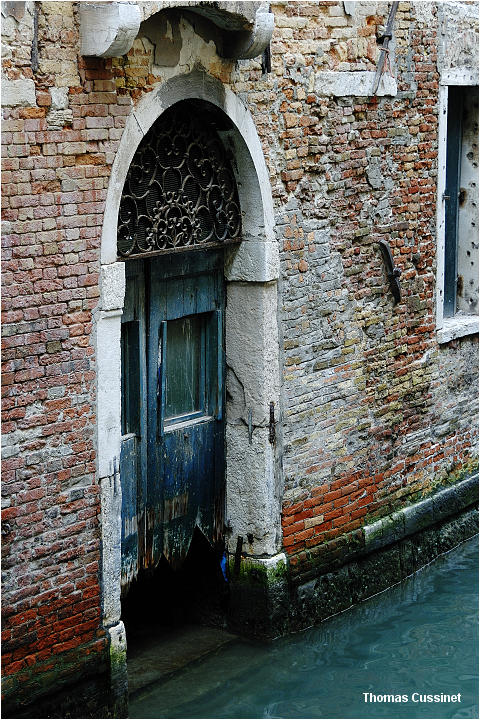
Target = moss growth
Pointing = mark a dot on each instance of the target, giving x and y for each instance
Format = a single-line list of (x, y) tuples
[(450, 477), (257, 573), (376, 530), (445, 479), (118, 657)]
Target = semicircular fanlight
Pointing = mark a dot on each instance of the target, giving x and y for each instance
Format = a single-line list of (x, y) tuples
[(180, 191)]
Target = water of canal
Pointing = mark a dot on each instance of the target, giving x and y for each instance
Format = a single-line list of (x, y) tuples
[(418, 637)]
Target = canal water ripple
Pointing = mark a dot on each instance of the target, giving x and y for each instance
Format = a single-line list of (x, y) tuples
[(420, 636)]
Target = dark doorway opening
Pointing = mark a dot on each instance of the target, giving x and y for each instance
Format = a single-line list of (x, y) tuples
[(161, 599), (173, 617)]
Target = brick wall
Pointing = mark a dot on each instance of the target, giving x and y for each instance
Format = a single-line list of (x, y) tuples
[(56, 158), (372, 417), (375, 412)]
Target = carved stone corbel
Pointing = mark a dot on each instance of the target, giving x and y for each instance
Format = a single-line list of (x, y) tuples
[(108, 29), (246, 45)]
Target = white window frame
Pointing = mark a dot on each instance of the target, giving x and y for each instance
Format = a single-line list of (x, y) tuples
[(448, 328)]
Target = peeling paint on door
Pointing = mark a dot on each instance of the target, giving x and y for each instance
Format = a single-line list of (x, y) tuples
[(173, 465)]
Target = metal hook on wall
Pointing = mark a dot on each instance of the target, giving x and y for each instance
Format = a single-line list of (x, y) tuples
[(393, 273)]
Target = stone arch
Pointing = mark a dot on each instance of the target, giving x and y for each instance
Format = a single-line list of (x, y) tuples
[(253, 383), (258, 217)]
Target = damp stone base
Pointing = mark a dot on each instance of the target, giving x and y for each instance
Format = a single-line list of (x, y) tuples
[(97, 689), (334, 592), (259, 597), (267, 600), (85, 694)]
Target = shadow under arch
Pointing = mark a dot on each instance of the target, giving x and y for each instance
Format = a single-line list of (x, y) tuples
[(252, 351)]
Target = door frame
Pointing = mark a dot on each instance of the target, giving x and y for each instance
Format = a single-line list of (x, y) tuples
[(253, 467)]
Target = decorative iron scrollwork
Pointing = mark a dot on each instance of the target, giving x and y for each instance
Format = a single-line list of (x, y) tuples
[(180, 190)]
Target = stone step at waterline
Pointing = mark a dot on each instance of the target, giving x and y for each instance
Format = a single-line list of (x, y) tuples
[(155, 657)]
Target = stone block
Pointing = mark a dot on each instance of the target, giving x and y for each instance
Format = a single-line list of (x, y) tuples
[(393, 528), (259, 597), (418, 516), (445, 503), (333, 593), (252, 261), (373, 535), (18, 93), (425, 547), (353, 84), (375, 573), (467, 492), (407, 558), (112, 286)]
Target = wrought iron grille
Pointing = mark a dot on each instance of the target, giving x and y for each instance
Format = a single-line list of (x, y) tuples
[(180, 190)]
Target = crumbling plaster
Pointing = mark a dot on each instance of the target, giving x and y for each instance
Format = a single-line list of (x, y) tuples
[(109, 29), (17, 89), (227, 13)]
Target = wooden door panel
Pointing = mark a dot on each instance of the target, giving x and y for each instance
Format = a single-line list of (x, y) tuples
[(130, 480), (189, 486), (173, 465), (133, 454), (186, 453)]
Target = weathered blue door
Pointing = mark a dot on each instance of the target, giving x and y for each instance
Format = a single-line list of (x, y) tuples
[(172, 463), (179, 210)]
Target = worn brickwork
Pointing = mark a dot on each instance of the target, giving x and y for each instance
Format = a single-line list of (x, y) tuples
[(369, 419), (375, 413), (56, 156)]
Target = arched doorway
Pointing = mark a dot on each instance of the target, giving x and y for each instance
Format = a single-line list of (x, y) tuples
[(250, 273), (179, 211)]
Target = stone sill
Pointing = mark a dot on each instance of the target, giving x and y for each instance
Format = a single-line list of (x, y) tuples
[(393, 528), (413, 518), (456, 327), (353, 84)]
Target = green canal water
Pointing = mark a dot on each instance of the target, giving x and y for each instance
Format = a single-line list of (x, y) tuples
[(418, 637)]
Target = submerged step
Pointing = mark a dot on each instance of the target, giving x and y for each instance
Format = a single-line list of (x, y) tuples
[(155, 656)]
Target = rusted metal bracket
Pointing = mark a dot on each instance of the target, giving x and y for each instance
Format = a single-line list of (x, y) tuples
[(271, 424), (393, 273), (238, 556), (250, 426), (34, 52), (387, 36), (267, 61)]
